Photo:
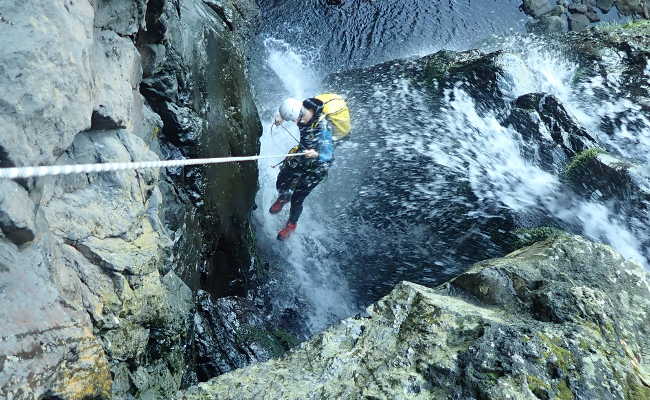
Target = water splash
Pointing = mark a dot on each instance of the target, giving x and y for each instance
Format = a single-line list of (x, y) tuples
[(308, 276), (477, 145)]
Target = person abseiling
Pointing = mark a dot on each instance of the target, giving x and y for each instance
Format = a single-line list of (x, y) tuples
[(300, 175)]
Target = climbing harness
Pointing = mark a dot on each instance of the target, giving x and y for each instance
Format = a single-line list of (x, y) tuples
[(32, 172)]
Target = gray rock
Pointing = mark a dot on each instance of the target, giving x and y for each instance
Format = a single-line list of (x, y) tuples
[(578, 22), (93, 305), (46, 80), (632, 7), (537, 8), (47, 342), (604, 5), (117, 75), (122, 17), (578, 8), (557, 11), (16, 213), (592, 15), (543, 322), (231, 334), (550, 24), (153, 57)]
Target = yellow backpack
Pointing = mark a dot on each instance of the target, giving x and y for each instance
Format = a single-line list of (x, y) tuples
[(336, 110)]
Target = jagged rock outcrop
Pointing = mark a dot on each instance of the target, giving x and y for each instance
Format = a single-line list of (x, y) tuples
[(564, 318), (551, 134), (94, 268)]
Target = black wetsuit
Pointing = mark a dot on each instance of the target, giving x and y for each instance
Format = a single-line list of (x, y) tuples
[(300, 175)]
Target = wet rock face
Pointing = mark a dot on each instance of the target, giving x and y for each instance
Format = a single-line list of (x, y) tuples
[(200, 91), (564, 318), (549, 131), (231, 333), (95, 267), (624, 184)]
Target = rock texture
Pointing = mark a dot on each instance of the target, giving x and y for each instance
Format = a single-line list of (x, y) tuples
[(98, 272), (550, 133), (549, 16), (562, 319)]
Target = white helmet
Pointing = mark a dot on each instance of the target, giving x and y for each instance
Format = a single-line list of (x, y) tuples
[(290, 109)]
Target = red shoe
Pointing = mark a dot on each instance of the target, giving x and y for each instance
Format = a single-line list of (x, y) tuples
[(287, 231), (277, 206)]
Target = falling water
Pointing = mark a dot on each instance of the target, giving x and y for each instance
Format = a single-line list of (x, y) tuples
[(304, 271), (427, 186)]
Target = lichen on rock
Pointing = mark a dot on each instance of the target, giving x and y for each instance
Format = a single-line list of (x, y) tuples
[(543, 322)]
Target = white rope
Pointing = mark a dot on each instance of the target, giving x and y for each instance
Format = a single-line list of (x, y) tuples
[(30, 172)]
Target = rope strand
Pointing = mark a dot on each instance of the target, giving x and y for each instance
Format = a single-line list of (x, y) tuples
[(31, 172)]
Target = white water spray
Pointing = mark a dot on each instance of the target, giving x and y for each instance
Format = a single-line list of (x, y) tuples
[(305, 260)]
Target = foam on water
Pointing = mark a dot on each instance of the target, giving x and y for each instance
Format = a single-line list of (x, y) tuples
[(499, 173)]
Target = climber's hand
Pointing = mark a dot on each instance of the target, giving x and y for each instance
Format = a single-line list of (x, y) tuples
[(311, 153)]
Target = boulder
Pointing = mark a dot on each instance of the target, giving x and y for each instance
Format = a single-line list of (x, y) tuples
[(578, 22), (604, 5), (592, 15), (563, 318), (578, 8), (537, 8), (623, 184), (632, 7), (548, 24)]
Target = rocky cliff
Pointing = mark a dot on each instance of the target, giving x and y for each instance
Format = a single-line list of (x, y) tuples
[(98, 271), (562, 319)]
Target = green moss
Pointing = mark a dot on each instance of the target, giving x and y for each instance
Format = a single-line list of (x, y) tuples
[(154, 132), (640, 26), (286, 338), (437, 64), (635, 389), (564, 357), (564, 393), (580, 159), (538, 386), (584, 345), (527, 236), (276, 342)]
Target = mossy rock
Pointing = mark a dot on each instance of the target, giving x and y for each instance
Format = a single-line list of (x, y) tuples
[(525, 237), (276, 341), (580, 161)]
